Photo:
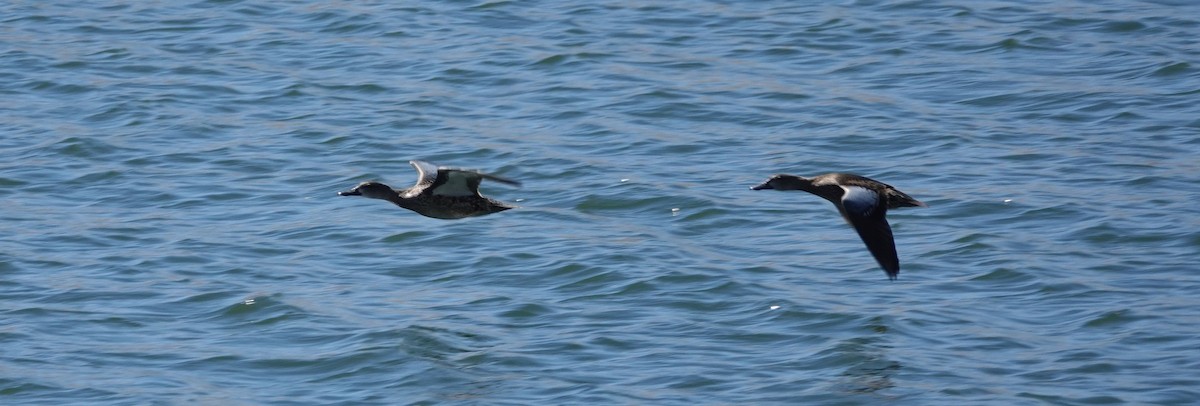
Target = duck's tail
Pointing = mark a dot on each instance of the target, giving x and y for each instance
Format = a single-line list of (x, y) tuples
[(897, 198)]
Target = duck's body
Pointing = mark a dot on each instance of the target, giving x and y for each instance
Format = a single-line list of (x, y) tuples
[(862, 201), (440, 192)]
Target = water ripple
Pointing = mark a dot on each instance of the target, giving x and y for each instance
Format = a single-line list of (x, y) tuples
[(172, 219)]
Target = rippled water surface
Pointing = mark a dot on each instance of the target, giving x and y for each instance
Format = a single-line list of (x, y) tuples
[(172, 232)]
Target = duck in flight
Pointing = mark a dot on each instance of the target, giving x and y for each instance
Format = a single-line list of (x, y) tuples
[(862, 201), (440, 192)]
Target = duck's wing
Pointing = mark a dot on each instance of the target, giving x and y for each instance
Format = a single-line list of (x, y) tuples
[(427, 177), (895, 198), (866, 210), (444, 181), (456, 182), (490, 176)]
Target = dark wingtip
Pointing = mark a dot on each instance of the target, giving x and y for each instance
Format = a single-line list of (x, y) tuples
[(763, 186), (500, 179), (350, 193), (892, 270)]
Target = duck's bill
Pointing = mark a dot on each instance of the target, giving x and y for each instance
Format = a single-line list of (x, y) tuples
[(764, 185), (350, 193)]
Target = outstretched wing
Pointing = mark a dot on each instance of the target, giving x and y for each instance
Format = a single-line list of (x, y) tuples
[(427, 177), (444, 181), (454, 182), (863, 209)]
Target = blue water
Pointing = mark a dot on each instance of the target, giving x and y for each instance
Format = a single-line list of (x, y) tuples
[(171, 232)]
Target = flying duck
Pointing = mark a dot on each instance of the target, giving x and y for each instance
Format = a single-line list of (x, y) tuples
[(440, 192), (862, 201)]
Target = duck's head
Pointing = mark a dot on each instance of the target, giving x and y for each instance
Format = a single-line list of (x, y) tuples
[(782, 182), (373, 190)]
